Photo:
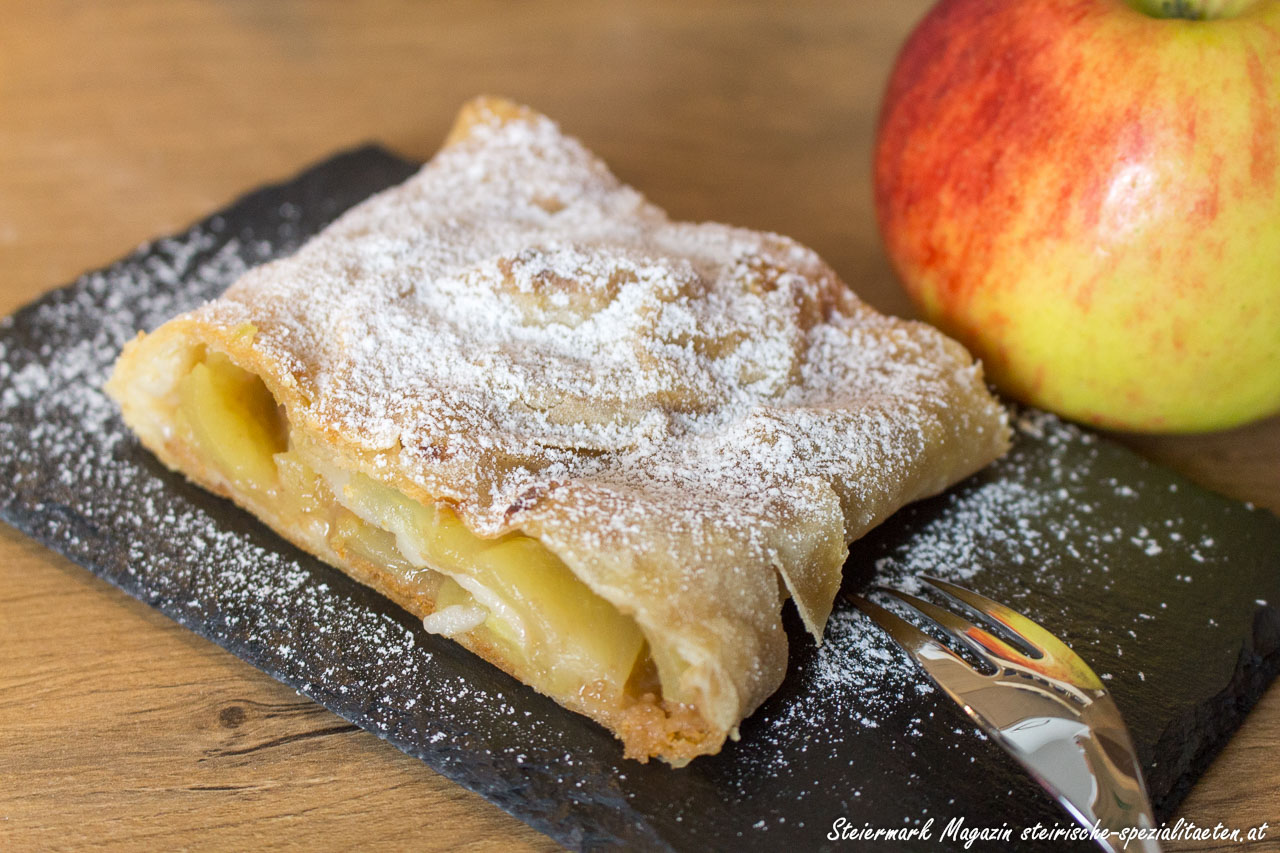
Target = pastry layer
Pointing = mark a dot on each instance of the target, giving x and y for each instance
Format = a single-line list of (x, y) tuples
[(672, 427)]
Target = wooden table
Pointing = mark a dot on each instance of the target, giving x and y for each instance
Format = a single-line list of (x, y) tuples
[(125, 120)]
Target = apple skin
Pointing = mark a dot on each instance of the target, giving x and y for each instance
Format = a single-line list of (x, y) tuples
[(1089, 199)]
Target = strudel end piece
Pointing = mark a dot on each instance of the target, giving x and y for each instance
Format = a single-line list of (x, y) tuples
[(596, 447)]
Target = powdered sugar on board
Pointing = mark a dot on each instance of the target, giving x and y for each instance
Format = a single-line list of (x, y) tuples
[(1154, 581), (1037, 515)]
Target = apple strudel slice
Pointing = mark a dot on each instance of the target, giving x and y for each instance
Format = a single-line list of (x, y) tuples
[(596, 447)]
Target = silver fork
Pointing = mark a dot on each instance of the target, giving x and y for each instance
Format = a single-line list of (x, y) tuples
[(1050, 712)]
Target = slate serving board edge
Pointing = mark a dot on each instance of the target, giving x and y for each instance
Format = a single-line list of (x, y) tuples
[(1218, 718)]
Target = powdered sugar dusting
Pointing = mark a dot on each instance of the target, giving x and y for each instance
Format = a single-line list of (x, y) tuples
[(514, 318)]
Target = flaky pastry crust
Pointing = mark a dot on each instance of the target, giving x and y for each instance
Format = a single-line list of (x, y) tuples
[(696, 419)]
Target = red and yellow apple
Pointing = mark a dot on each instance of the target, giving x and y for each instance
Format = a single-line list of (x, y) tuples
[(1087, 194)]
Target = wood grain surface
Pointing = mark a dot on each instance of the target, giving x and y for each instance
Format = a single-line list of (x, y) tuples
[(120, 121)]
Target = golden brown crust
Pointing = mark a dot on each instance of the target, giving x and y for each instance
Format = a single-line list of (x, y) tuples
[(696, 419)]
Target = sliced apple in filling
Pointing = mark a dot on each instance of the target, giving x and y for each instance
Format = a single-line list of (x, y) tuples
[(511, 594), (232, 418)]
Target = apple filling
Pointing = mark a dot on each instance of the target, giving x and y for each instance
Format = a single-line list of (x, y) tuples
[(511, 594)]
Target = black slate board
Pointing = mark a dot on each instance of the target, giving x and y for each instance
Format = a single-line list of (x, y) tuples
[(1162, 586)]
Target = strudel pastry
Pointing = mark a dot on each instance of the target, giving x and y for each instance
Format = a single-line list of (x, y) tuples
[(596, 447)]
